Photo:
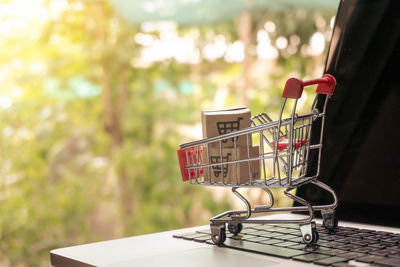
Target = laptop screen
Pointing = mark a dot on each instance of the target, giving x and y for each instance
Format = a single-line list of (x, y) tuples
[(361, 148)]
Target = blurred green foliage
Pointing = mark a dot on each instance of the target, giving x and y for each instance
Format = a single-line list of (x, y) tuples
[(88, 144)]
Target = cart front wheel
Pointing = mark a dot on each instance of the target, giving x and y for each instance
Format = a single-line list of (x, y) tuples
[(315, 237), (312, 239), (218, 235), (235, 228), (219, 239), (309, 233)]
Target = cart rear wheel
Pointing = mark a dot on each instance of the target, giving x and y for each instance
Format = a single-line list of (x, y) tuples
[(330, 222), (235, 228)]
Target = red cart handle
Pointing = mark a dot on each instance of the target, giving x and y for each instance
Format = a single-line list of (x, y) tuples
[(294, 87)]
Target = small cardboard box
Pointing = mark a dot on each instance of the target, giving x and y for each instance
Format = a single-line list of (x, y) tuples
[(227, 172), (218, 122)]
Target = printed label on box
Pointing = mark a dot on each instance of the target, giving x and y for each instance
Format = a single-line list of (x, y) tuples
[(219, 122), (231, 172)]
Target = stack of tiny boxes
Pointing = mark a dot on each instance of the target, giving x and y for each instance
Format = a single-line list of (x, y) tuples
[(218, 122)]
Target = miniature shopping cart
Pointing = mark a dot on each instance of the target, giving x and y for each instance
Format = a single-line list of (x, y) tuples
[(281, 162)]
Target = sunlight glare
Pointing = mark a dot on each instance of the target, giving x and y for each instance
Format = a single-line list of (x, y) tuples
[(5, 102), (235, 52), (264, 49), (317, 44), (281, 42)]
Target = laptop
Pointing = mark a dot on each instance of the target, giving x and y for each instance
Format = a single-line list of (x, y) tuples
[(360, 161)]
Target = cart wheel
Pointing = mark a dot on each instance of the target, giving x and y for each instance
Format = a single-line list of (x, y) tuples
[(218, 239), (310, 234), (311, 240), (235, 228), (218, 235), (315, 237), (330, 222)]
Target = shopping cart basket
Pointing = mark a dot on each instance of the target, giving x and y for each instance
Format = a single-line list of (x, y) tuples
[(284, 147)]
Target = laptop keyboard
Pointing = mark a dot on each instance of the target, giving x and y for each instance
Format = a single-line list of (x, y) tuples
[(345, 247)]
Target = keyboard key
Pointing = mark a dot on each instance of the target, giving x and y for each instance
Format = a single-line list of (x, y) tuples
[(296, 239), (328, 238), (392, 250), (310, 257), (286, 237), (291, 226), (204, 231), (271, 235), (322, 241), (392, 240), (256, 239), (298, 234), (316, 249), (185, 234), (364, 249), (338, 237), (286, 244), (366, 231), (344, 264), (194, 235), (371, 241), (382, 233), (344, 232), (202, 238), (348, 228), (267, 227), (359, 243), (239, 237), (349, 239), (349, 247), (370, 259), (271, 241), (299, 246), (287, 230), (333, 252), (389, 262), (258, 227), (353, 255), (330, 260), (262, 248), (249, 231), (374, 237), (377, 246), (387, 244), (362, 235), (332, 244), (382, 253), (353, 229)]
